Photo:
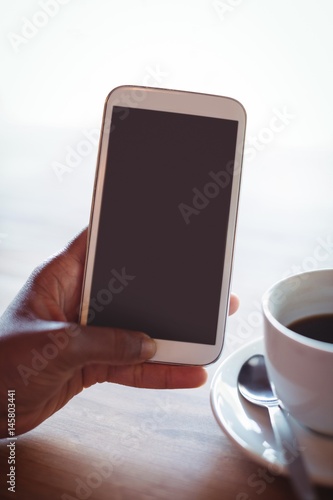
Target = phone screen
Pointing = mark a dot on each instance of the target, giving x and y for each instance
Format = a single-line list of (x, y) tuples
[(163, 224)]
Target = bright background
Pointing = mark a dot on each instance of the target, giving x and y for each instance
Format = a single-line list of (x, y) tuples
[(270, 55)]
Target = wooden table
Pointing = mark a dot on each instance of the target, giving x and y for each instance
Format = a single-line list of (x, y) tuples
[(114, 442)]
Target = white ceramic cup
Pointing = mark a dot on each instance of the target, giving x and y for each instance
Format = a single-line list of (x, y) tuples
[(300, 368)]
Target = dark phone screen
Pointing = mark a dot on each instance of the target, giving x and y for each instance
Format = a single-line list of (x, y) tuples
[(163, 224)]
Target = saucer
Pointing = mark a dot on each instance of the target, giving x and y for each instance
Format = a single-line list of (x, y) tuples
[(249, 426)]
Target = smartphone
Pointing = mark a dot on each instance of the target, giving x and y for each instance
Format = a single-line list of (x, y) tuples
[(163, 218)]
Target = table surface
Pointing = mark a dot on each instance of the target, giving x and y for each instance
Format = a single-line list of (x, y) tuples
[(114, 442)]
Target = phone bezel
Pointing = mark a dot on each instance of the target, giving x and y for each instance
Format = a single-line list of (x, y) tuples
[(190, 103)]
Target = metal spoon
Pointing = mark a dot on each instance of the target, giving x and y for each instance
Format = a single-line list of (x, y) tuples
[(254, 385)]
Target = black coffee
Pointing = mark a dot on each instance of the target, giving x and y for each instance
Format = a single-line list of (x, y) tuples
[(315, 327)]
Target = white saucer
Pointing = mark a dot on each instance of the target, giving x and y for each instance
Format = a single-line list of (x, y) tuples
[(249, 425)]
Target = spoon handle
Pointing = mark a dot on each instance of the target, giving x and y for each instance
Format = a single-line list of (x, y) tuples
[(291, 454)]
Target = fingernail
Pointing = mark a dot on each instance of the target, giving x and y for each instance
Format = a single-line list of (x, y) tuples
[(148, 348)]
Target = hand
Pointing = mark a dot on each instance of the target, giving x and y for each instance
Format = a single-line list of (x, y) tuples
[(47, 358)]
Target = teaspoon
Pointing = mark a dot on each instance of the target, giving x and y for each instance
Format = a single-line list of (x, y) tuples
[(254, 385)]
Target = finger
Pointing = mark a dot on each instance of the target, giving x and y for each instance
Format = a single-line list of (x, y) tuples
[(147, 375), (77, 247), (91, 344), (234, 304)]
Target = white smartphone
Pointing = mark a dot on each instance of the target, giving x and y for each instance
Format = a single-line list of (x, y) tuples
[(163, 219)]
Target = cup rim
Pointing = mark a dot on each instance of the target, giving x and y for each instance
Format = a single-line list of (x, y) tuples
[(296, 337)]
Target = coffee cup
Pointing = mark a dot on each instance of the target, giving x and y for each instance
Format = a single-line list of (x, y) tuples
[(300, 365)]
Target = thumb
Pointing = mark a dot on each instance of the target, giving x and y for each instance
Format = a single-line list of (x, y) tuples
[(114, 346)]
